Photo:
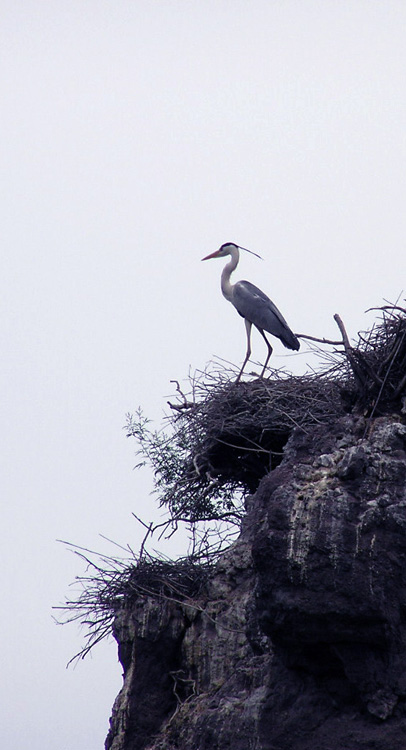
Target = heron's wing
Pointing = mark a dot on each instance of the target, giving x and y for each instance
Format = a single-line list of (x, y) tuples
[(255, 306)]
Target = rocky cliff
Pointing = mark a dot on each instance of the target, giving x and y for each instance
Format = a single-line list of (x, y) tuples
[(296, 638), (299, 638)]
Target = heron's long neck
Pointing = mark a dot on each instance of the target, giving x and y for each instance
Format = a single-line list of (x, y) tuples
[(226, 286)]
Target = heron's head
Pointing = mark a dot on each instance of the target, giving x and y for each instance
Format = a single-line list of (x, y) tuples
[(229, 248)]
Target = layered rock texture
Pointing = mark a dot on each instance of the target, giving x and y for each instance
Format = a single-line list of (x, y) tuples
[(297, 639)]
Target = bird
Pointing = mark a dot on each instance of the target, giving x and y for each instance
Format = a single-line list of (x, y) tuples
[(253, 305)]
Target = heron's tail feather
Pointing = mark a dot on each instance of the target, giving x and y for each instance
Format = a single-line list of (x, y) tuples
[(290, 340)]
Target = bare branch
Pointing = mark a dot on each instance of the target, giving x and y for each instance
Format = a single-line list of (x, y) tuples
[(320, 341)]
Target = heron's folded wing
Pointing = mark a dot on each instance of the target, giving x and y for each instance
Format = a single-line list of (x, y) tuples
[(256, 306)]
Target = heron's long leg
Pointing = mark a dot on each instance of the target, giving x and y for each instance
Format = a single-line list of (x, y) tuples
[(270, 350), (248, 327)]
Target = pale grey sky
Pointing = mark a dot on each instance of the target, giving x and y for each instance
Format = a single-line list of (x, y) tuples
[(137, 137)]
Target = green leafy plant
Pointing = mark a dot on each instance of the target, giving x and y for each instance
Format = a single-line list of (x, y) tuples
[(189, 493)]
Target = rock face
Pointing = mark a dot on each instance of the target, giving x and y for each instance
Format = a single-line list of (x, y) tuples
[(299, 640)]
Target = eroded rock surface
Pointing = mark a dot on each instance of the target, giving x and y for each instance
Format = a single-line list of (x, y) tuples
[(299, 641)]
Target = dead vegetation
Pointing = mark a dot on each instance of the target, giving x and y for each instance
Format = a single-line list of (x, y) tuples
[(224, 436), (112, 584), (378, 363)]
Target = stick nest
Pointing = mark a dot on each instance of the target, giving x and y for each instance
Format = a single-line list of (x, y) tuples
[(239, 430), (378, 364), (112, 585), (224, 436)]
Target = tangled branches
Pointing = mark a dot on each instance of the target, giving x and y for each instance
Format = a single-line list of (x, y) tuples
[(381, 363), (114, 584), (224, 436)]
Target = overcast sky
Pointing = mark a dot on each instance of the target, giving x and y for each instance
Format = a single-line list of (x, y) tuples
[(137, 137)]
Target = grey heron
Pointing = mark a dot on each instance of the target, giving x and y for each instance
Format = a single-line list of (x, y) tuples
[(253, 305)]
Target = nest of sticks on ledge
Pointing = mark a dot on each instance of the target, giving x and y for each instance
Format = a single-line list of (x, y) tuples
[(378, 364), (113, 584), (226, 435), (239, 430), (224, 439)]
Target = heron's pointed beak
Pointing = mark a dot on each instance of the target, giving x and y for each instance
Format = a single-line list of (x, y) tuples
[(212, 255)]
